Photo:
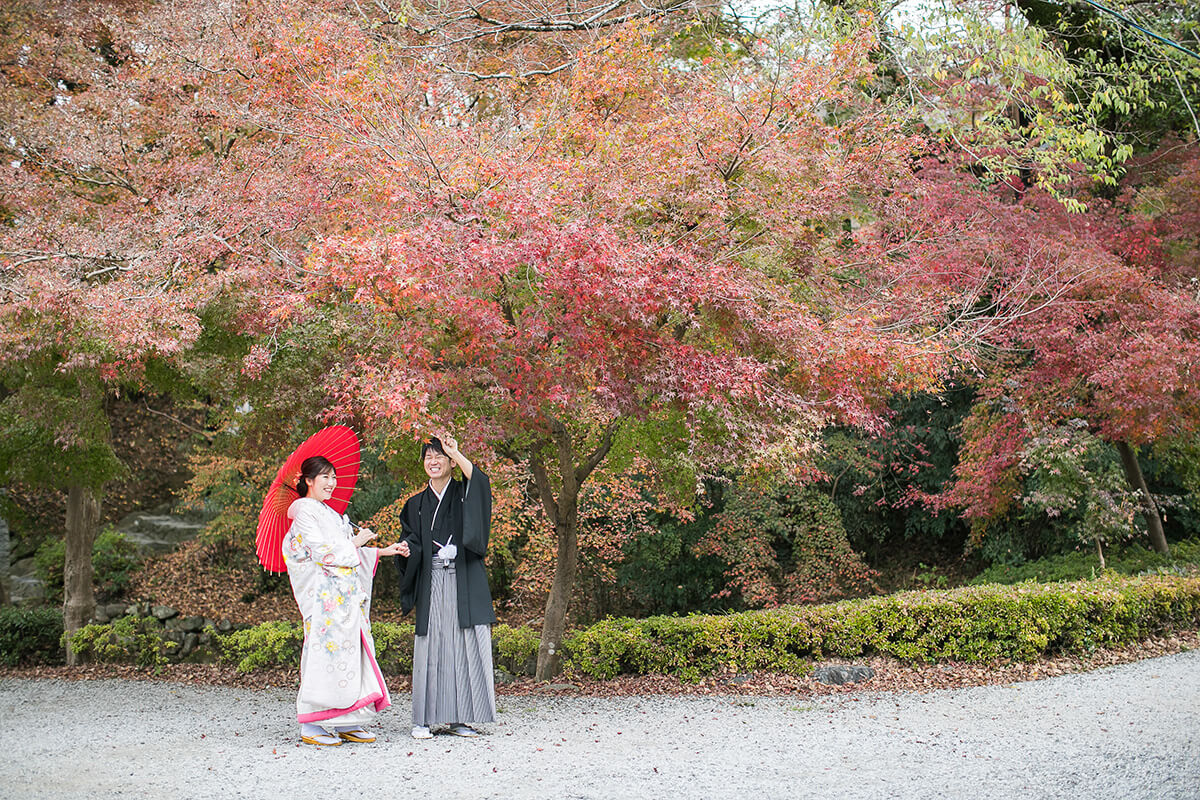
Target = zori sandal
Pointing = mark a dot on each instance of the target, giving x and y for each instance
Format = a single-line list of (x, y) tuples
[(357, 735), (322, 739)]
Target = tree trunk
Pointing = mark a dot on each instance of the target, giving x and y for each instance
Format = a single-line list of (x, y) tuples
[(549, 660), (79, 603), (1133, 474), (5, 553), (563, 512)]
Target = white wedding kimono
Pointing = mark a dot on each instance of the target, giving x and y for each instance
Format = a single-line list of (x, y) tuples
[(340, 681)]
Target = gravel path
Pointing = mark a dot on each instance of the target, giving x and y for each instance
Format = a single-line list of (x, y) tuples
[(1131, 731)]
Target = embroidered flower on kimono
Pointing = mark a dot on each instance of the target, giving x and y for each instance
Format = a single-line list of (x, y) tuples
[(331, 646), (329, 605), (340, 599)]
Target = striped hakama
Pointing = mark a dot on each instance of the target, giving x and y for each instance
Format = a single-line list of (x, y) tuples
[(452, 666)]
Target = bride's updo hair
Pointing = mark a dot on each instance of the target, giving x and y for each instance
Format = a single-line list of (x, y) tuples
[(311, 468)]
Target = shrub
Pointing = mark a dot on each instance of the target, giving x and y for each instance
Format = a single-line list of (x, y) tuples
[(393, 646), (515, 649), (30, 636), (660, 573), (114, 562), (977, 624), (49, 562), (127, 640), (278, 644), (1074, 478), (785, 545), (271, 644), (973, 624), (1130, 560)]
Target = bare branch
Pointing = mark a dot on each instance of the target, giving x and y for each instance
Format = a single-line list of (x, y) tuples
[(496, 76), (567, 21), (206, 434)]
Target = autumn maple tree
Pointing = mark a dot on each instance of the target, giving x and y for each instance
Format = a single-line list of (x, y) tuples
[(636, 257), (1111, 341), (122, 195), (623, 243)]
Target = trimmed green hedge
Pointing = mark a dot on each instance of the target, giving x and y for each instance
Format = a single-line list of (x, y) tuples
[(277, 644), (30, 636), (974, 624)]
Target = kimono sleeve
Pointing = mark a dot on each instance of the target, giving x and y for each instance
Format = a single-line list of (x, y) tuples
[(369, 557), (477, 512), (329, 545), (408, 569)]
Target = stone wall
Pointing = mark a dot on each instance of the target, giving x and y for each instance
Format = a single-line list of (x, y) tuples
[(186, 639)]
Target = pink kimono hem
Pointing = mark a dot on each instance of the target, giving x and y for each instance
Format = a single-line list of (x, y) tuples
[(378, 698)]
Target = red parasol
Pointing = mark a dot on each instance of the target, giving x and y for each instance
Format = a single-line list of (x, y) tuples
[(337, 443)]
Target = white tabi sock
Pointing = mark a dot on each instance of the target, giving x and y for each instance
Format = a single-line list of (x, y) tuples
[(309, 729)]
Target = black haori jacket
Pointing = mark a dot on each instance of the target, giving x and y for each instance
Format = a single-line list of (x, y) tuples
[(467, 517)]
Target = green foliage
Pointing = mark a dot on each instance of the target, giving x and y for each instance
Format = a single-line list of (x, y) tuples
[(271, 644), (1172, 469), (49, 561), (975, 624), (657, 436), (114, 562), (126, 640), (1138, 86), (393, 646), (53, 430), (1073, 475), (515, 649), (785, 545), (1012, 539), (1036, 127), (661, 574), (30, 636), (880, 482), (375, 490), (278, 644), (1133, 559), (687, 647), (930, 577)]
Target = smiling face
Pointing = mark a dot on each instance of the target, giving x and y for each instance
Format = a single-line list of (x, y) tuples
[(321, 487), (437, 466)]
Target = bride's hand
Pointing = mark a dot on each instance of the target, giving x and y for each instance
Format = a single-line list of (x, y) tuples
[(397, 549), (363, 536)]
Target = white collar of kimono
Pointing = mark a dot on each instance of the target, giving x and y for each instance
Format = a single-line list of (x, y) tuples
[(300, 502), (438, 507)]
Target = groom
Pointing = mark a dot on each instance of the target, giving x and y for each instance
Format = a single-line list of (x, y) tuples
[(445, 528)]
